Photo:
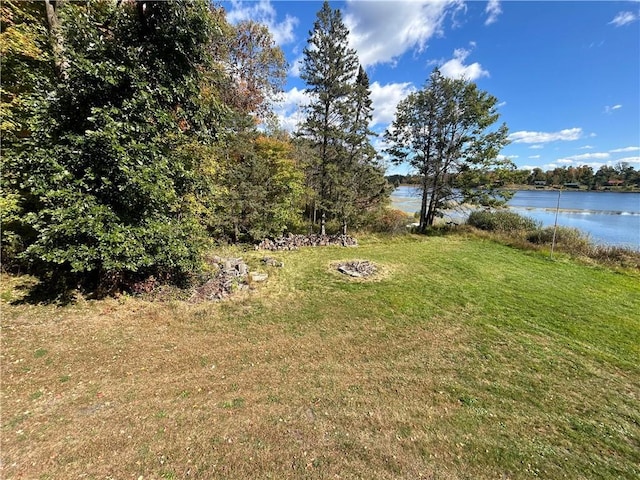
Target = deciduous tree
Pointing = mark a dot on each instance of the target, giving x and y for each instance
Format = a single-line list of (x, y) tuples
[(444, 129), (101, 179), (256, 68)]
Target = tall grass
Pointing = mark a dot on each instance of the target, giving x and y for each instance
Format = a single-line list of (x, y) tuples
[(501, 221), (524, 232)]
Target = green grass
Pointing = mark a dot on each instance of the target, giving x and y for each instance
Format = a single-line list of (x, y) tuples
[(463, 358)]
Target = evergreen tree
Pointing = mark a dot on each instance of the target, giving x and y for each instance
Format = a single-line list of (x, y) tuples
[(329, 68), (362, 185)]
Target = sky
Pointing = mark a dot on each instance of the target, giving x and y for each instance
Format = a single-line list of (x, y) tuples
[(566, 74)]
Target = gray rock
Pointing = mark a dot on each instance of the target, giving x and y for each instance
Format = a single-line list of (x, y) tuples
[(258, 277)]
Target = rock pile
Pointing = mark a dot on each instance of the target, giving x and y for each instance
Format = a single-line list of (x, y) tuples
[(293, 242), (230, 276), (357, 268)]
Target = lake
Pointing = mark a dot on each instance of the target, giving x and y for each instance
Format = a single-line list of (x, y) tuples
[(609, 218)]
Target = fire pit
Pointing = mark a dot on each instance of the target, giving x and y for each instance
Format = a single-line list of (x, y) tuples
[(357, 268)]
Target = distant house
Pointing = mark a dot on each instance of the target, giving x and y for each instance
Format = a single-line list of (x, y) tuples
[(540, 183), (571, 185), (615, 183)]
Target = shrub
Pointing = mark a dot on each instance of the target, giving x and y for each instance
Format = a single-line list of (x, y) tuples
[(501, 221), (621, 256), (570, 239), (389, 221)]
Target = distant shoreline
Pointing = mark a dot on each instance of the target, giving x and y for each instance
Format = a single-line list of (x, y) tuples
[(552, 188)]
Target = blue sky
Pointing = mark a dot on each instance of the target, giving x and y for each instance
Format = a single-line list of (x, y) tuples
[(567, 74)]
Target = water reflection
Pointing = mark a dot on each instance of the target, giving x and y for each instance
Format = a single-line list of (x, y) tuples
[(609, 218)]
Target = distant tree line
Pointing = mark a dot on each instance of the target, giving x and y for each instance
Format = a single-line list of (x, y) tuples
[(623, 175)]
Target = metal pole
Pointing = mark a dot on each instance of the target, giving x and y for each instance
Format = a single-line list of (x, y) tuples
[(555, 225)]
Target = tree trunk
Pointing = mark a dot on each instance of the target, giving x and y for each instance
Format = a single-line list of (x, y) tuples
[(423, 206), (433, 201), (57, 40)]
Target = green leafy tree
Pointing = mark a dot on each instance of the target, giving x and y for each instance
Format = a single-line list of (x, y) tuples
[(261, 188), (444, 129), (584, 175), (26, 71), (103, 178), (536, 175)]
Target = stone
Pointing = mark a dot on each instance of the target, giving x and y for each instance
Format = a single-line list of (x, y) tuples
[(357, 268), (293, 242), (258, 277), (351, 273), (272, 262)]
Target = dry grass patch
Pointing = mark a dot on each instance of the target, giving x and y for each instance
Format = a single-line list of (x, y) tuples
[(121, 389)]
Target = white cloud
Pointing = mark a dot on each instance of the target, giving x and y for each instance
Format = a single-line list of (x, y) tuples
[(383, 31), (627, 160), (534, 156), (580, 159), (623, 18), (536, 147), (524, 136), (610, 109), (493, 11), (589, 156), (294, 70), (506, 157), (625, 149), (586, 147), (289, 109), (385, 99), (263, 12), (455, 68)]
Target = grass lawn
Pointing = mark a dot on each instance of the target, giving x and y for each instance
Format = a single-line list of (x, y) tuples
[(462, 359)]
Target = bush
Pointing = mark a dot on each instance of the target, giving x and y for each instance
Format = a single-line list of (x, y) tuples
[(389, 221), (501, 221), (570, 239), (621, 256)]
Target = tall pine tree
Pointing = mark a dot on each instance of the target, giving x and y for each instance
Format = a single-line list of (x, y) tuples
[(329, 67), (362, 185)]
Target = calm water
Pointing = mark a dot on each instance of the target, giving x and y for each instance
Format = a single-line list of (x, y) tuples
[(609, 218)]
